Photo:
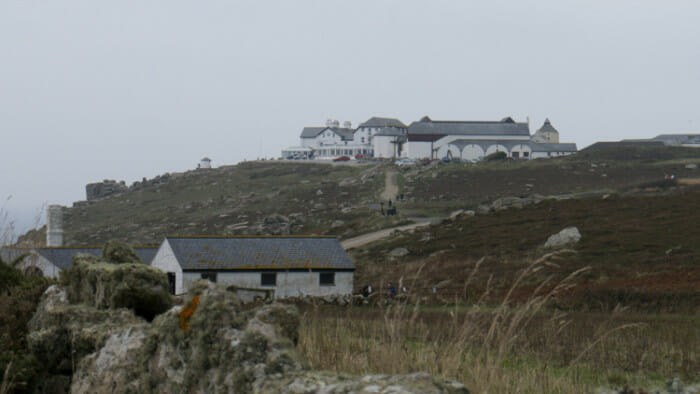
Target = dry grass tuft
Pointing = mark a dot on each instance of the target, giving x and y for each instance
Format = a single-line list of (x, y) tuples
[(504, 348)]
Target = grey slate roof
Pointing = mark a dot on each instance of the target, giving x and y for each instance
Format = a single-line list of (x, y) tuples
[(10, 253), (382, 122), (547, 126), (261, 252), (390, 131), (62, 257), (549, 147), (495, 128), (312, 132)]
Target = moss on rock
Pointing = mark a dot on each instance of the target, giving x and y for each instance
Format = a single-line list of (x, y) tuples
[(138, 287), (119, 252)]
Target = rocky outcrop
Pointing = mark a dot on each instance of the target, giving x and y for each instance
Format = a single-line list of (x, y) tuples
[(61, 334), (565, 237), (102, 285), (224, 348), (212, 343), (504, 203), (110, 187), (276, 224), (106, 188)]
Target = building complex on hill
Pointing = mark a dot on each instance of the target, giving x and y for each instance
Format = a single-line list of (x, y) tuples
[(427, 138)]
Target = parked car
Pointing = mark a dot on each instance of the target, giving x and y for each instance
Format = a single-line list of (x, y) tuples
[(342, 158)]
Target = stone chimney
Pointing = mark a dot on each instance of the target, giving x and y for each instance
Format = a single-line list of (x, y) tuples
[(54, 225)]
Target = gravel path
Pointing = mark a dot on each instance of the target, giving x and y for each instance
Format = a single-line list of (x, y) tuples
[(391, 185), (381, 234)]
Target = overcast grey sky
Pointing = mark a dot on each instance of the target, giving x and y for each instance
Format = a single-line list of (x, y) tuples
[(126, 89)]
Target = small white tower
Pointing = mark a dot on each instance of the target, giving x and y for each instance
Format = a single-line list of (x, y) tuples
[(54, 225), (205, 163)]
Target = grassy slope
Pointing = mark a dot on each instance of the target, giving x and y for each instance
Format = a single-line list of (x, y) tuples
[(635, 245), (206, 202), (625, 238), (440, 188)]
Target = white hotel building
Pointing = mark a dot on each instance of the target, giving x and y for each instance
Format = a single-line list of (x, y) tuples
[(426, 138)]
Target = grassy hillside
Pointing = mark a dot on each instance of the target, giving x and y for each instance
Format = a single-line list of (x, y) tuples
[(234, 200), (642, 250), (441, 188), (313, 198)]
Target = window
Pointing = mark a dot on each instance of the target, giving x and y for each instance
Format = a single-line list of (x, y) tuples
[(171, 282), (516, 155), (268, 279), (526, 154), (363, 140), (210, 276), (326, 279)]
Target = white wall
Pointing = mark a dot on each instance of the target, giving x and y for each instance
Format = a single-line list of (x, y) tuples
[(418, 149), (521, 148), (472, 152), (454, 151), (289, 284), (47, 268), (165, 261), (383, 146)]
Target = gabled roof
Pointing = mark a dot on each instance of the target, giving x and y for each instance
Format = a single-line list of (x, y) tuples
[(259, 252), (390, 131), (547, 127), (382, 122), (467, 128), (62, 257), (312, 132)]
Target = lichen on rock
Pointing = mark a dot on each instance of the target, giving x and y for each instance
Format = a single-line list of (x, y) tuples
[(135, 286), (229, 347), (119, 252)]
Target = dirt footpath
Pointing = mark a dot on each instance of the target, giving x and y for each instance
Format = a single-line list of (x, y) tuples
[(381, 234), (391, 185)]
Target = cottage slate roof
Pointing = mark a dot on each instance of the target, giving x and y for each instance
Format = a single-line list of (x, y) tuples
[(382, 122), (441, 128), (547, 127), (62, 257), (312, 132), (9, 253), (259, 252)]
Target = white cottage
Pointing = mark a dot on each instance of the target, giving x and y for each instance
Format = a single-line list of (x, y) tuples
[(289, 265)]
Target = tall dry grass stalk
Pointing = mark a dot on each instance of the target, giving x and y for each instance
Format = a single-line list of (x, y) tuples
[(7, 225), (489, 348)]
